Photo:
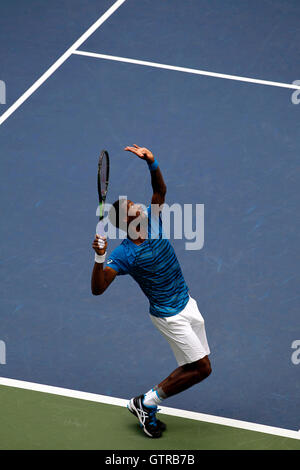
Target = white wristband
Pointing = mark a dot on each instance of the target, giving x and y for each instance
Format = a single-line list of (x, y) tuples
[(100, 258)]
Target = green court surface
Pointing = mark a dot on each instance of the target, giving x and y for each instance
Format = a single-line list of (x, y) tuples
[(35, 420)]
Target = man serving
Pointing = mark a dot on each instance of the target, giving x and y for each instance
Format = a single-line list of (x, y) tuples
[(151, 260)]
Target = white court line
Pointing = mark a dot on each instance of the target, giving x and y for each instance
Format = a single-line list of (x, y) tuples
[(164, 410), (187, 70), (89, 32), (60, 61)]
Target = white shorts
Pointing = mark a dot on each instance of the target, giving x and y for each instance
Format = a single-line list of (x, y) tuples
[(185, 333)]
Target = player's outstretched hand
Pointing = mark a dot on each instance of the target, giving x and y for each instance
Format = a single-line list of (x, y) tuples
[(99, 244), (141, 152)]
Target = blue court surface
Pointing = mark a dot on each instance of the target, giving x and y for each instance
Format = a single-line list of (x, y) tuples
[(228, 143)]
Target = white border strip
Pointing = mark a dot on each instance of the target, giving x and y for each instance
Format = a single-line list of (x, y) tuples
[(165, 410), (187, 70), (60, 61)]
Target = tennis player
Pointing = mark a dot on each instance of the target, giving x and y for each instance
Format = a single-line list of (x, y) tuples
[(150, 259)]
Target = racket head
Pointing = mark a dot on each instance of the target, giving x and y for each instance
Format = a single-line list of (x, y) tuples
[(103, 179)]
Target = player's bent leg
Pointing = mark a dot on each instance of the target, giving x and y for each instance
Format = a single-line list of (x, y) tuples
[(202, 368), (180, 379), (186, 376)]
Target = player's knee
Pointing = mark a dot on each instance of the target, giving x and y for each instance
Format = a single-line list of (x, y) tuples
[(207, 370), (204, 369)]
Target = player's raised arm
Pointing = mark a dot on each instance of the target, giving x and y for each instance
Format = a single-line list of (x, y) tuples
[(101, 278), (157, 181)]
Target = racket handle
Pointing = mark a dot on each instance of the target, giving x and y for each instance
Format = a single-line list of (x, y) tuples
[(100, 229)]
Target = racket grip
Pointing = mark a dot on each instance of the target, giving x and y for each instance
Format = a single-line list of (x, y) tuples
[(100, 229)]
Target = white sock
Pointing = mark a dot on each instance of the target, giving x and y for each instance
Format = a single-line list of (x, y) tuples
[(152, 398)]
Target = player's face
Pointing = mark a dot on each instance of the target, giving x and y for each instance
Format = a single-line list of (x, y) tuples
[(133, 210), (139, 227)]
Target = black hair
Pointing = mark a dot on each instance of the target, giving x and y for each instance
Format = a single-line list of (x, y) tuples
[(114, 213)]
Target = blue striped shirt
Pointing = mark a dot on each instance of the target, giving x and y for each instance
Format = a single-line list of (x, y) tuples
[(154, 266)]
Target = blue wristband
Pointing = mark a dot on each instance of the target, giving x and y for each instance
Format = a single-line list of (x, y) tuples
[(153, 166)]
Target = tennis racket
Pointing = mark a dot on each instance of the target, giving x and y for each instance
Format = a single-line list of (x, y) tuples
[(103, 177)]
